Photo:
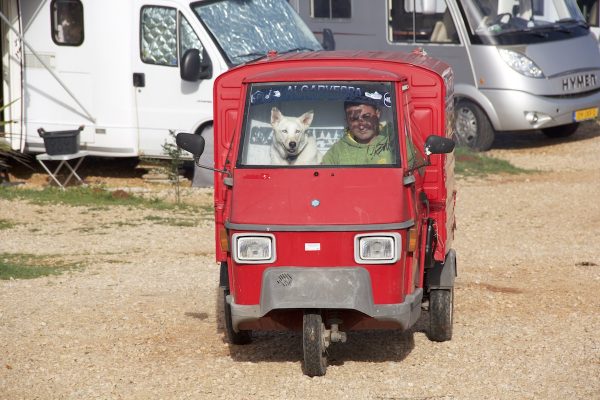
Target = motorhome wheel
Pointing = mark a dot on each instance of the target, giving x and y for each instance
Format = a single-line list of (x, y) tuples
[(313, 344), (561, 131), (473, 127), (441, 305)]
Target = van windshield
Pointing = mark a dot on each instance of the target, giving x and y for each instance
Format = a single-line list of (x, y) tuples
[(522, 21), (320, 123), (249, 29)]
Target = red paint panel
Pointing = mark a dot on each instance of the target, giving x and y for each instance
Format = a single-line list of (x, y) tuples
[(344, 195)]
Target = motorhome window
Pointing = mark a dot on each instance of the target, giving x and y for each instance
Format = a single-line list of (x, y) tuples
[(67, 22), (330, 9), (421, 21), (320, 123), (159, 35), (250, 31), (519, 22)]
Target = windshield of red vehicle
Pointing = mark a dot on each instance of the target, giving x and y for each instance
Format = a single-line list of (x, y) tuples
[(320, 123)]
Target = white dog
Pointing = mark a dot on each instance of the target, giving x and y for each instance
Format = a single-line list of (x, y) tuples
[(291, 145)]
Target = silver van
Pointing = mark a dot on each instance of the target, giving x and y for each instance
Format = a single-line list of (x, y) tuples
[(519, 65)]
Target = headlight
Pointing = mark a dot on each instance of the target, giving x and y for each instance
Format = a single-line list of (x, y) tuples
[(521, 63), (253, 248), (377, 248)]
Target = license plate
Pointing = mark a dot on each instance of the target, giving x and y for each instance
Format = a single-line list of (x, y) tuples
[(586, 113)]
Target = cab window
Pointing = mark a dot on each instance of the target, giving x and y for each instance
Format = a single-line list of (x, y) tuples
[(320, 123), (589, 9), (165, 35)]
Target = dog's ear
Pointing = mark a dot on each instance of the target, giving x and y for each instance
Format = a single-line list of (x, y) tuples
[(307, 117), (275, 115)]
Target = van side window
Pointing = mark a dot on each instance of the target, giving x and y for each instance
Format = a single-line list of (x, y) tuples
[(421, 21), (330, 9), (159, 36), (67, 22)]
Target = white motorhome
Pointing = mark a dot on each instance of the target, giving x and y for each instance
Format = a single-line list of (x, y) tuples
[(518, 64), (130, 71)]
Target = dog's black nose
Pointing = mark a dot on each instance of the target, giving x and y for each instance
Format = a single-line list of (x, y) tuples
[(292, 145)]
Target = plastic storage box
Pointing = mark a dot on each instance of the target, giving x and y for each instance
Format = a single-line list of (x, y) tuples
[(61, 142)]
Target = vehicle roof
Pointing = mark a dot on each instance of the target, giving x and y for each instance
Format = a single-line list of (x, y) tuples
[(417, 57)]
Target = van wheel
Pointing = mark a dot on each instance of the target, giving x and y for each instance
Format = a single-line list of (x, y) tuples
[(313, 344), (441, 305), (233, 337), (561, 131), (205, 177), (473, 127)]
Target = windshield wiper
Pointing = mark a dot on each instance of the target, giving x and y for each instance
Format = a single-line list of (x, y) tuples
[(258, 56), (571, 21)]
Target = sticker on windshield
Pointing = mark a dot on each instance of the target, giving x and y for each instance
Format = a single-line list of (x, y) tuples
[(312, 92)]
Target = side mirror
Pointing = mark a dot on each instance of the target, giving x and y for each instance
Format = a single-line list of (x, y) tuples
[(191, 142), (438, 145), (193, 68), (328, 40)]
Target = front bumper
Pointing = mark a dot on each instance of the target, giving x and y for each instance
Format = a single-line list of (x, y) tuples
[(347, 288), (510, 107)]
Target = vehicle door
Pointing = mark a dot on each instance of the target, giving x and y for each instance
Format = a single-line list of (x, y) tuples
[(12, 89), (414, 179), (165, 102)]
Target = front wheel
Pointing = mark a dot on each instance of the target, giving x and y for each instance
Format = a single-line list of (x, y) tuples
[(561, 131), (441, 305), (233, 337), (473, 128), (313, 344)]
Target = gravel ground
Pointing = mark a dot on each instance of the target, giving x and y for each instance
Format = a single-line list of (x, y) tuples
[(141, 320)]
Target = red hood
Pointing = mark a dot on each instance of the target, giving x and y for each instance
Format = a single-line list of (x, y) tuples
[(318, 196)]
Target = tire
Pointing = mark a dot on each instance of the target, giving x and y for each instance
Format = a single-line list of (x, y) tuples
[(241, 337), (205, 177), (313, 344), (441, 305), (473, 128), (561, 131)]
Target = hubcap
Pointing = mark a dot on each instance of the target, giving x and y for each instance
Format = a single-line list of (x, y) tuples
[(466, 125)]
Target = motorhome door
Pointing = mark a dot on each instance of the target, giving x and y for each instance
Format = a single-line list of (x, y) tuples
[(12, 89), (165, 102)]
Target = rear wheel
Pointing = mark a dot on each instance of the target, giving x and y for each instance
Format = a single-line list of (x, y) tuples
[(561, 131), (441, 304), (473, 128), (233, 337), (313, 344)]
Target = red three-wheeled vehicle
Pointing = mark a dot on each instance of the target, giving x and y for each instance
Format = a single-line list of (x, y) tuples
[(334, 195)]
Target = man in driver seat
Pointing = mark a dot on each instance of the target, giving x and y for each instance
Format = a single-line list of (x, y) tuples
[(366, 139)]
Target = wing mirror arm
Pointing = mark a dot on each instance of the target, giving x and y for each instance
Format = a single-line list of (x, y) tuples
[(195, 145)]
